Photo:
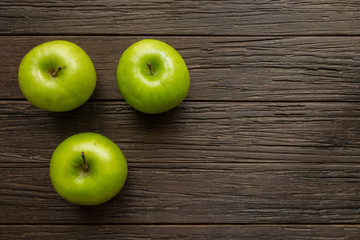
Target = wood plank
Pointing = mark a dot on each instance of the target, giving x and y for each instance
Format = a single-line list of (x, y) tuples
[(186, 166), (195, 132), (184, 193), (222, 68), (183, 232), (264, 17)]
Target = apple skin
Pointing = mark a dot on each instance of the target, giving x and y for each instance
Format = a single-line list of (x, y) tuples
[(158, 92), (106, 175), (73, 85)]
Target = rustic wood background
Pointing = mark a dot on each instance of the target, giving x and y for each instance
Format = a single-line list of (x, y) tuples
[(265, 146)]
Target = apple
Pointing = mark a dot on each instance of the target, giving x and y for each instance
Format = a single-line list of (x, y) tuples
[(152, 76), (88, 169), (57, 76)]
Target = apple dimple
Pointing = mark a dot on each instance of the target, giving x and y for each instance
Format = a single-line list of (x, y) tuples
[(153, 68), (82, 173), (54, 72)]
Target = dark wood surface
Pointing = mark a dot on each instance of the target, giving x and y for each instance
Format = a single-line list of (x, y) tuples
[(265, 146), (189, 17)]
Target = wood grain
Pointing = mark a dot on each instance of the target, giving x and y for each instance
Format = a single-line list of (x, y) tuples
[(163, 17), (222, 68), (265, 146), (194, 193), (135, 232), (195, 132), (203, 162)]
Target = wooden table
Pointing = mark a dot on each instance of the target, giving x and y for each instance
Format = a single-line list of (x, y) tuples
[(265, 146)]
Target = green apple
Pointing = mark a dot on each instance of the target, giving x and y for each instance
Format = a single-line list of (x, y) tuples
[(88, 169), (152, 76), (57, 76)]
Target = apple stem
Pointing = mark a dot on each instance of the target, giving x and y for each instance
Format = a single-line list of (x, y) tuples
[(55, 73), (150, 68), (86, 167)]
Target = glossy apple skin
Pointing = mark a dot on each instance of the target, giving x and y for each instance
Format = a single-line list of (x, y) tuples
[(106, 175), (158, 92), (73, 85)]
